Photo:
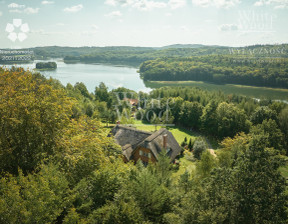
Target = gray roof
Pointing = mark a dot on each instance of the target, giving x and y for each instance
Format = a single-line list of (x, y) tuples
[(130, 138), (126, 135), (155, 143)]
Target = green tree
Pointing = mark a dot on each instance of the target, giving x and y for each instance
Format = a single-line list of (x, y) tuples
[(99, 187), (209, 119), (272, 133), (35, 198), (206, 164), (198, 148), (263, 113), (259, 186), (122, 210), (190, 114), (32, 117), (152, 197), (190, 145), (231, 120), (83, 90), (101, 92), (251, 191), (84, 148)]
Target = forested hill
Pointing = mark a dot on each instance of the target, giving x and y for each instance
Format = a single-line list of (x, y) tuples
[(242, 66), (138, 55), (126, 54)]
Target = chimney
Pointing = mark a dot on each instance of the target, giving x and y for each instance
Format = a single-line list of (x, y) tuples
[(165, 141)]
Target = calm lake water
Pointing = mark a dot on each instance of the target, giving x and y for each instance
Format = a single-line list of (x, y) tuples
[(120, 76), (92, 74)]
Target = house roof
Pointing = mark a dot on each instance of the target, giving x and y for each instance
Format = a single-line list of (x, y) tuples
[(127, 136), (130, 139), (155, 143), (131, 101)]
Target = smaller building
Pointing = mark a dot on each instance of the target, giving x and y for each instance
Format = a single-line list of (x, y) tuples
[(133, 102), (143, 145)]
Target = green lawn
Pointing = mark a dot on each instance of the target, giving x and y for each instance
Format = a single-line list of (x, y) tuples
[(184, 165), (178, 132)]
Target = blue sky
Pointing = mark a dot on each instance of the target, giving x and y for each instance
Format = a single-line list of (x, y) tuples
[(145, 22)]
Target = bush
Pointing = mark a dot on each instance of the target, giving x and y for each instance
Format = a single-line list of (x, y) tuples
[(198, 148)]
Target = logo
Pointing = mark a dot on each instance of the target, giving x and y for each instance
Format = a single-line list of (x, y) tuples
[(254, 21), (17, 30)]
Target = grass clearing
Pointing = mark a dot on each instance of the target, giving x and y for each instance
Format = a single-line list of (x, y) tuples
[(178, 132), (184, 165)]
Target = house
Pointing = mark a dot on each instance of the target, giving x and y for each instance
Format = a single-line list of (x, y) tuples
[(133, 102), (137, 144)]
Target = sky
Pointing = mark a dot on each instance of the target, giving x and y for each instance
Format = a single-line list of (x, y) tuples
[(147, 23)]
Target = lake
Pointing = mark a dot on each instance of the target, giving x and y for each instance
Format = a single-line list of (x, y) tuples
[(92, 74), (120, 76)]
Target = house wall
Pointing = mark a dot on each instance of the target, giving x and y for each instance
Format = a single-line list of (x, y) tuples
[(144, 157)]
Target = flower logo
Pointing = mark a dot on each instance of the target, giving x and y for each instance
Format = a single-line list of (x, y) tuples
[(21, 34)]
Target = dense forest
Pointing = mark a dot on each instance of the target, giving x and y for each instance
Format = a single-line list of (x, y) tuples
[(57, 164), (220, 69), (139, 55)]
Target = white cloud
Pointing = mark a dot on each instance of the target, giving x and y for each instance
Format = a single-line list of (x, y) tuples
[(75, 8), (259, 3), (110, 2), (147, 5), (202, 3), (174, 4), (114, 14), (95, 27), (15, 6), (30, 10), (281, 7), (277, 4), (47, 2), (216, 3), (120, 2), (228, 27), (15, 11)]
